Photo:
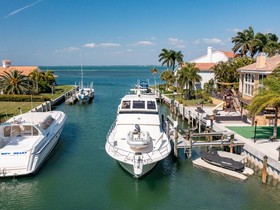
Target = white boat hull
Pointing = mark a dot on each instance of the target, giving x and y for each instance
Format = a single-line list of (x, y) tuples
[(130, 168), (19, 161)]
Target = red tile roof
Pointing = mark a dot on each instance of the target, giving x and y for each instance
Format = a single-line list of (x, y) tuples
[(204, 66), (228, 54), (26, 70)]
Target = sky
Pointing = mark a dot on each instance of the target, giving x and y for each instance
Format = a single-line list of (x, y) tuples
[(125, 32)]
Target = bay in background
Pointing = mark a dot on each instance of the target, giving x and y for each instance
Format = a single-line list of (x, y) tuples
[(80, 175)]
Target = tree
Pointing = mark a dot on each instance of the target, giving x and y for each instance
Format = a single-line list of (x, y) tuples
[(244, 42), (267, 43), (165, 57), (225, 72), (36, 76), (188, 76), (268, 96), (168, 76), (154, 71), (42, 81), (170, 57), (13, 82)]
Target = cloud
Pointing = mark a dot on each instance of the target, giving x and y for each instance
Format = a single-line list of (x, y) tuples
[(68, 49), (212, 41), (109, 44), (144, 43), (235, 30), (23, 8), (209, 41), (90, 45), (177, 42), (104, 45)]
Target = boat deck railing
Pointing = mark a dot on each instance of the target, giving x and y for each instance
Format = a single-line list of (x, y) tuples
[(148, 157)]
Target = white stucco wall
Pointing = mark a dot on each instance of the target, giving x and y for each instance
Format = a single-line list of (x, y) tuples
[(214, 57), (206, 76)]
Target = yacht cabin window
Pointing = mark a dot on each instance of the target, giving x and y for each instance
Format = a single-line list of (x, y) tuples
[(138, 104), (151, 105), (126, 105)]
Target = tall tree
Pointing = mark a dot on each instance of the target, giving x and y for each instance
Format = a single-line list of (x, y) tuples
[(188, 76), (165, 57), (225, 72), (244, 42), (168, 77), (268, 96), (36, 77), (13, 82), (170, 57), (154, 71)]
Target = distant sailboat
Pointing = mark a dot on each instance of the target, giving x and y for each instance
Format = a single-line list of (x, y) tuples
[(84, 94)]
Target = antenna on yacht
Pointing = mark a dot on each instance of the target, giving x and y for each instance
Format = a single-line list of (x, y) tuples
[(82, 74)]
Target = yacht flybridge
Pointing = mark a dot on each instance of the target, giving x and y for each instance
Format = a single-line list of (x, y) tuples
[(137, 139), (27, 139)]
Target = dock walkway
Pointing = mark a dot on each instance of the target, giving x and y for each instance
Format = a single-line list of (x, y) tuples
[(255, 151)]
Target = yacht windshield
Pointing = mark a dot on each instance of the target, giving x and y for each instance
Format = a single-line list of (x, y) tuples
[(151, 105), (138, 104)]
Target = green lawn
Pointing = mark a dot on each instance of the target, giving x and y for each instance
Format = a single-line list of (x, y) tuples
[(10, 109), (262, 132)]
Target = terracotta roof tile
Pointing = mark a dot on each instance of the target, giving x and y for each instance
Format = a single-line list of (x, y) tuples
[(228, 54), (204, 66), (24, 69)]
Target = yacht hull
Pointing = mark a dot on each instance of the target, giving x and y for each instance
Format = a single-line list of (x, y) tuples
[(130, 168)]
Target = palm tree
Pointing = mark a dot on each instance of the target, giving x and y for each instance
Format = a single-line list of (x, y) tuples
[(188, 76), (244, 42), (176, 57), (267, 43), (165, 57), (13, 82), (36, 77), (154, 71), (269, 96), (225, 72), (168, 76), (170, 57), (49, 77)]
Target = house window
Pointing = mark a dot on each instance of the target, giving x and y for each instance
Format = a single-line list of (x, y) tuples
[(249, 84), (261, 78)]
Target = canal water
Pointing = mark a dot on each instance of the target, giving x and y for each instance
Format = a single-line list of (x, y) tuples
[(80, 175)]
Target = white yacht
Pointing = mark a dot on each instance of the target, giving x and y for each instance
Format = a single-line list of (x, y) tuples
[(27, 139), (136, 139)]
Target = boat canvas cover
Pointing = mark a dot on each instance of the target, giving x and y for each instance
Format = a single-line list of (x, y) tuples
[(214, 158)]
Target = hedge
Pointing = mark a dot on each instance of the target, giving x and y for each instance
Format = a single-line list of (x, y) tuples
[(23, 98)]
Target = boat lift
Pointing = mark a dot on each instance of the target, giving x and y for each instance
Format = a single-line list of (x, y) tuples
[(191, 139)]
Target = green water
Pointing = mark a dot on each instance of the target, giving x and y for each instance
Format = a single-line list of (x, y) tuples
[(80, 175)]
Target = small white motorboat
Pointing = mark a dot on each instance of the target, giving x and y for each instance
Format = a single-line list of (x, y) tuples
[(27, 139)]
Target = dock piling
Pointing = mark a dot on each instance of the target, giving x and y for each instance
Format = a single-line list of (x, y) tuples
[(264, 170)]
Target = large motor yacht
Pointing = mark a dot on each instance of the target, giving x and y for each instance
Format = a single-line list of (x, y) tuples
[(137, 139)]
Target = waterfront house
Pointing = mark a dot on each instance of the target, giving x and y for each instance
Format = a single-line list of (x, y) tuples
[(25, 70), (206, 62), (251, 79)]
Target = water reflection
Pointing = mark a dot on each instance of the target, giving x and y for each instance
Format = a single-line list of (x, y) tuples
[(18, 193)]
